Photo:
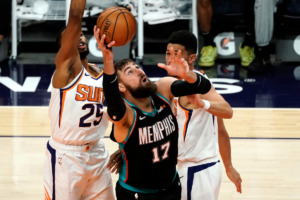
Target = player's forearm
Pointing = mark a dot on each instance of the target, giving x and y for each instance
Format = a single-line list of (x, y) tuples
[(108, 65), (220, 109), (182, 88), (115, 105), (224, 145), (225, 151)]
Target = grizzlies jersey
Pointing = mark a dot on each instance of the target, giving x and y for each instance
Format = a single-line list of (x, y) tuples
[(150, 150), (198, 135), (76, 111)]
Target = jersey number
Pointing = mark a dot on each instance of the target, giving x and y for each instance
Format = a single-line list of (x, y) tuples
[(165, 148), (91, 107)]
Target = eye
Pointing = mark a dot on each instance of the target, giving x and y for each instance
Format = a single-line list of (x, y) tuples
[(130, 72)]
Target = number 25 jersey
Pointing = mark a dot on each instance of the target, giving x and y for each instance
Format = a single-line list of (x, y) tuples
[(76, 111)]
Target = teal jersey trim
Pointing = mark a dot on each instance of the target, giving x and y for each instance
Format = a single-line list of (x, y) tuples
[(123, 170)]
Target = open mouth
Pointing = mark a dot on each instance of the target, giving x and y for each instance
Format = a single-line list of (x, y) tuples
[(144, 79), (81, 45)]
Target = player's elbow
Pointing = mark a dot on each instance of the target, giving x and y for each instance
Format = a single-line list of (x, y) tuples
[(228, 114), (75, 15)]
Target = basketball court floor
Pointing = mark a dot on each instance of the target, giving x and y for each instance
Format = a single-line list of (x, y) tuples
[(264, 130)]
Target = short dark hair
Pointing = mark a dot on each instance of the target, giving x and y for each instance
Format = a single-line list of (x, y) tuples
[(186, 39), (120, 64)]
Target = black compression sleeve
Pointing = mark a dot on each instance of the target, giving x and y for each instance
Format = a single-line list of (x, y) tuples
[(183, 88), (111, 135), (115, 105)]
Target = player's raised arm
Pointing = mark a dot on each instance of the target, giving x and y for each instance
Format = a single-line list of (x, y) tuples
[(119, 112), (108, 56), (68, 63)]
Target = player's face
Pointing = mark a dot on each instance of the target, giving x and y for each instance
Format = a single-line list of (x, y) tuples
[(82, 43), (136, 81), (83, 46), (176, 47)]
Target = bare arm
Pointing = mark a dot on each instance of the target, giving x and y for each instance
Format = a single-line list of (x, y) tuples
[(68, 63), (225, 151), (218, 106)]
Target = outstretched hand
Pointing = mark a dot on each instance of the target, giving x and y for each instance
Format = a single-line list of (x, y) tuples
[(105, 48), (178, 65)]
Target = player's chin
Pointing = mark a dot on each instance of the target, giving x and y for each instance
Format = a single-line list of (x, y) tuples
[(82, 49)]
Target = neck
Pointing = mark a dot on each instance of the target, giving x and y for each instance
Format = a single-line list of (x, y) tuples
[(85, 63), (142, 103)]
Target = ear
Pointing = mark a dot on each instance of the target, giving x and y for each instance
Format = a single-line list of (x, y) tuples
[(122, 87), (192, 58)]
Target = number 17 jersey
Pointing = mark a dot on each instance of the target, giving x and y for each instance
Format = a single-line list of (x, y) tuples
[(151, 147)]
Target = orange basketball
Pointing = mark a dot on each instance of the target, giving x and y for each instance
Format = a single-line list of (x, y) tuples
[(118, 24)]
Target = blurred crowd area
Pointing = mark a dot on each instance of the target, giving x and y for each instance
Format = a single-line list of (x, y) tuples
[(161, 18)]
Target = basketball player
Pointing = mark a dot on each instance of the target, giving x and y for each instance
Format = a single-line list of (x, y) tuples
[(202, 134), (144, 124), (76, 156)]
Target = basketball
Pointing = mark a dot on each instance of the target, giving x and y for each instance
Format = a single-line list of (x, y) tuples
[(118, 24)]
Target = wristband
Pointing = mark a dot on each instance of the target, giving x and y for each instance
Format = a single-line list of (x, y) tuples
[(206, 104), (183, 88)]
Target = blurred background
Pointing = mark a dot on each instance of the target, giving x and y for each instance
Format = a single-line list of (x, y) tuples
[(30, 27)]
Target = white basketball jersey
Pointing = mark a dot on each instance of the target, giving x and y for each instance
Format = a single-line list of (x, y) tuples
[(198, 134), (76, 111)]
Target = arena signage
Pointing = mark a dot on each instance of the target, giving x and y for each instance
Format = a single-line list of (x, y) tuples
[(226, 43)]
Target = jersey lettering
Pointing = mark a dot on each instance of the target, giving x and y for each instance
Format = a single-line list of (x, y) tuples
[(150, 134), (89, 93)]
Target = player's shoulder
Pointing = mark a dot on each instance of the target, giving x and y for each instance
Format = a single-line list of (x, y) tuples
[(96, 67), (201, 72)]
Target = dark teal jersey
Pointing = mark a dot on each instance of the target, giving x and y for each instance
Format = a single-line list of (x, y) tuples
[(151, 147)]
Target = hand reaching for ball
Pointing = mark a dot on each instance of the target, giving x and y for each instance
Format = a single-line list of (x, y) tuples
[(105, 48), (108, 56)]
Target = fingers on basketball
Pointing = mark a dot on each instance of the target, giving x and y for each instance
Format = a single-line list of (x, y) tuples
[(118, 24)]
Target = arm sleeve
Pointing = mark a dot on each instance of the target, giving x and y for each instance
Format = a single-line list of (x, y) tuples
[(115, 105), (183, 88), (111, 135)]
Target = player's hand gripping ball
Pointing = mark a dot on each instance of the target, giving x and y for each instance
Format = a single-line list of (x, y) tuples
[(118, 24)]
